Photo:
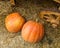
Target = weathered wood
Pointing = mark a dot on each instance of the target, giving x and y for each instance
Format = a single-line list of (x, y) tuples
[(58, 1), (12, 2)]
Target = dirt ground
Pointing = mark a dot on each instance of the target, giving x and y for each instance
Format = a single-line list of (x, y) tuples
[(29, 9)]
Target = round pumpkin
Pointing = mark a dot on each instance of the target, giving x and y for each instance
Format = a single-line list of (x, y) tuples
[(14, 22), (32, 31)]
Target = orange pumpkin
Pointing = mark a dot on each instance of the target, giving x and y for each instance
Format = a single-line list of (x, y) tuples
[(32, 31), (14, 22)]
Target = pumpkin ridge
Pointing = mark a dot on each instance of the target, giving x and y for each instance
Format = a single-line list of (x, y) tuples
[(37, 32), (35, 37), (32, 31), (29, 34)]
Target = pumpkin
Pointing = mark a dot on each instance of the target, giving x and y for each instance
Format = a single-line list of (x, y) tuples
[(32, 31), (14, 22)]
